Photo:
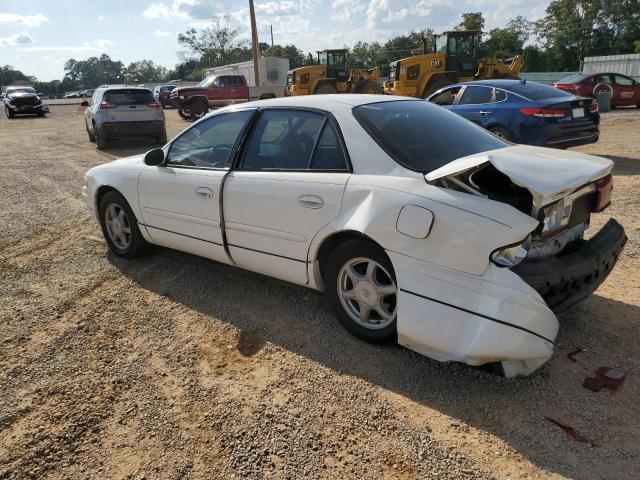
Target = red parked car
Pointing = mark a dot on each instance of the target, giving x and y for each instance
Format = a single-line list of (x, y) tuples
[(624, 90), (213, 91)]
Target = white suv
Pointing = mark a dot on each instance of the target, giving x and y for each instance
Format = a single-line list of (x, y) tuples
[(119, 112)]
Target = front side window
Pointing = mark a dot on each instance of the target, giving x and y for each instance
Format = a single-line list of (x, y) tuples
[(293, 140), (476, 95), (421, 136), (209, 144), (446, 97), (605, 79)]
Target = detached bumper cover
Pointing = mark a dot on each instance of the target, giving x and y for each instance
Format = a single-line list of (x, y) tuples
[(569, 278)]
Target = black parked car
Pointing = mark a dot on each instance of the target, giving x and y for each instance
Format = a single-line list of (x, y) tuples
[(23, 101)]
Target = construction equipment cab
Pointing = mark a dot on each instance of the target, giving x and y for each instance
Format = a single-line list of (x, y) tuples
[(454, 59), (332, 75)]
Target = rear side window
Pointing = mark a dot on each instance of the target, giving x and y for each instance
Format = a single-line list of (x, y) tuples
[(293, 140), (422, 136), (499, 96), (128, 97), (537, 91), (476, 95)]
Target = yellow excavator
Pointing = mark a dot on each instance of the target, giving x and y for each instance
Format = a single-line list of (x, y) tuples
[(453, 60), (332, 75)]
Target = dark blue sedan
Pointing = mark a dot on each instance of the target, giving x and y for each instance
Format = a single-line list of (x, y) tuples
[(524, 112)]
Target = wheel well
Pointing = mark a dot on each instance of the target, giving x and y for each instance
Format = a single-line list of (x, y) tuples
[(102, 191), (200, 99), (324, 81), (330, 243)]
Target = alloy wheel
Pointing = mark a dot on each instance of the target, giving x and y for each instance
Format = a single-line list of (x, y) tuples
[(118, 226)]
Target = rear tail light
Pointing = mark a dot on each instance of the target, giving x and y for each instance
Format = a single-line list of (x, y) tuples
[(106, 106), (604, 189), (542, 112), (153, 105), (593, 107)]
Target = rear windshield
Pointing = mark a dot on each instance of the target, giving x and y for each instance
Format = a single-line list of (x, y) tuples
[(537, 91), (421, 136), (128, 96), (167, 88), (575, 78)]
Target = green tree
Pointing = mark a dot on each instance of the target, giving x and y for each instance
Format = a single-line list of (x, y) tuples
[(10, 76), (144, 71), (471, 21), (508, 41), (293, 53), (92, 72), (215, 45)]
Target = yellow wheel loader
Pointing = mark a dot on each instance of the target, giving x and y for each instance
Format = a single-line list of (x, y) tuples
[(332, 75), (454, 59)]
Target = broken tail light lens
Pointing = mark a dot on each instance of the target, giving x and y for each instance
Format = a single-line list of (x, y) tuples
[(604, 189), (556, 217), (593, 107), (511, 255), (542, 112)]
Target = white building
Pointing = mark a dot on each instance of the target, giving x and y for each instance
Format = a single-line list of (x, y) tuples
[(272, 71), (624, 64)]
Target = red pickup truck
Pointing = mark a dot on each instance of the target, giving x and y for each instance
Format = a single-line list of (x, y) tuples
[(214, 91)]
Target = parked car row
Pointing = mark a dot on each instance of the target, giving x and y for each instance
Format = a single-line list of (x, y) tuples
[(417, 225)]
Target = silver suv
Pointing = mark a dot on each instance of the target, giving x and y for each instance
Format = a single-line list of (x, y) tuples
[(119, 112)]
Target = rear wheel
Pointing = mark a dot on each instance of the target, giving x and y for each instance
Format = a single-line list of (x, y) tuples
[(370, 87), (183, 113), (326, 89), (500, 133), (101, 139), (435, 86), (119, 226), (197, 110), (92, 137), (362, 290)]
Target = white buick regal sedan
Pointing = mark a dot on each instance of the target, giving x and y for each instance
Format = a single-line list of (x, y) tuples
[(417, 225)]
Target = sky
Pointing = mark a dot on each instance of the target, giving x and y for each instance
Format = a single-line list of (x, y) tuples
[(39, 36)]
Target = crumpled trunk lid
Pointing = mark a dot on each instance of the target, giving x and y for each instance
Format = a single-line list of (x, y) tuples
[(548, 174)]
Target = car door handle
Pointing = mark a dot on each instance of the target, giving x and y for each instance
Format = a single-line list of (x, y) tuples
[(204, 192), (311, 201), (484, 112)]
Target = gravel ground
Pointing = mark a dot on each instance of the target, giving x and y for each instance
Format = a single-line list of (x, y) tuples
[(172, 366)]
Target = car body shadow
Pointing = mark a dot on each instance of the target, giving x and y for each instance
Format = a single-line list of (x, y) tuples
[(624, 165), (514, 410), (128, 147)]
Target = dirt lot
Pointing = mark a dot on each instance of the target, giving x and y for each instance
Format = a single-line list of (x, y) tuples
[(172, 366)]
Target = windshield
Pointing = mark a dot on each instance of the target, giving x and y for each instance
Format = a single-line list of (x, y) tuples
[(421, 136), (537, 91), (575, 78), (20, 90), (207, 81)]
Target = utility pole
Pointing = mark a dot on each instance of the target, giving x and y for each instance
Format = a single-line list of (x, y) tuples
[(271, 36), (254, 42)]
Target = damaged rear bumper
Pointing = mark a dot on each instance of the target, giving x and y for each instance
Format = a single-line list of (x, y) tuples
[(570, 277)]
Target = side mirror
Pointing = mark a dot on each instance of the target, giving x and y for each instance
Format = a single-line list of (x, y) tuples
[(154, 157), (84, 103)]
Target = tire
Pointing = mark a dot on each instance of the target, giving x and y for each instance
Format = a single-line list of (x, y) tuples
[(371, 88), (435, 86), (197, 110), (183, 114), (500, 133), (40, 114), (162, 139), (92, 137), (375, 328), (125, 245), (325, 89), (101, 140), (10, 113)]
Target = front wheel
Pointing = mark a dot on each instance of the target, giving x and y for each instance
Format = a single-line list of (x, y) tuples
[(197, 110), (119, 226), (362, 290), (371, 88), (10, 113)]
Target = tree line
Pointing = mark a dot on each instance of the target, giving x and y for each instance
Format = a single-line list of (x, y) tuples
[(569, 31)]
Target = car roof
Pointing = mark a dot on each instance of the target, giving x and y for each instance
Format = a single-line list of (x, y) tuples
[(339, 101)]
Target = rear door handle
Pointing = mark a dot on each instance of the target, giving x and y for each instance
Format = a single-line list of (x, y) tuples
[(484, 112), (204, 192), (311, 201)]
